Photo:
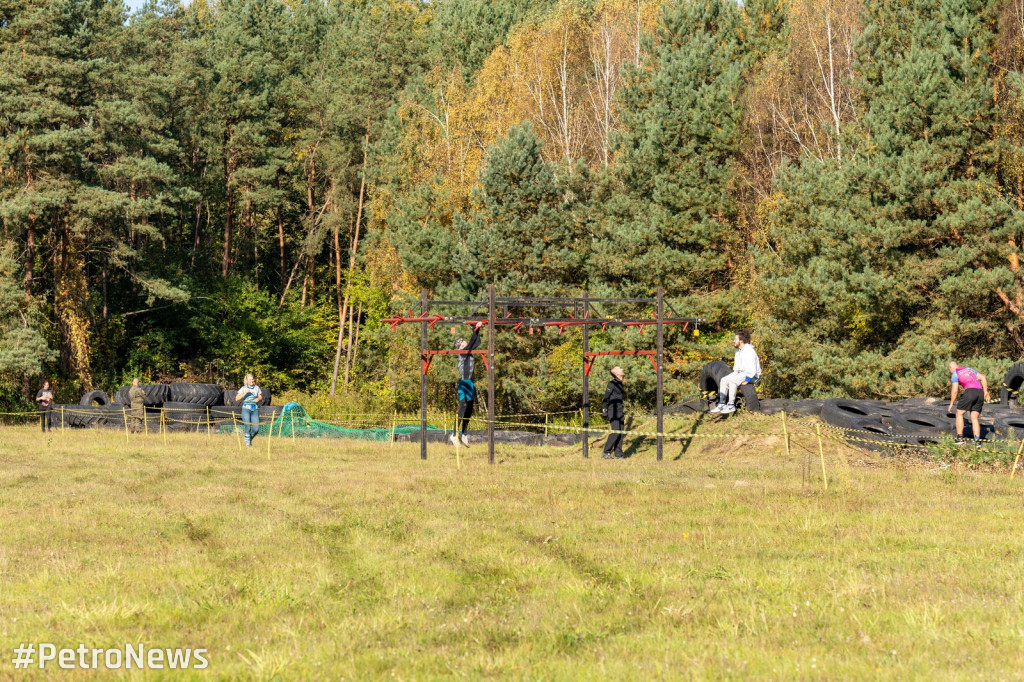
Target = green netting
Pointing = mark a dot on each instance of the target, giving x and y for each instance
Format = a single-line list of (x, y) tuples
[(294, 421)]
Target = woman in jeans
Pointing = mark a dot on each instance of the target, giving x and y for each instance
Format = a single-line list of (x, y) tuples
[(249, 396)]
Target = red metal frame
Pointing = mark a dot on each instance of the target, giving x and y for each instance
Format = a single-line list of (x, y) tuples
[(428, 356), (593, 355)]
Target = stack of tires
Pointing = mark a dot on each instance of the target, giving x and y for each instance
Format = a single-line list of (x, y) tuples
[(185, 406)]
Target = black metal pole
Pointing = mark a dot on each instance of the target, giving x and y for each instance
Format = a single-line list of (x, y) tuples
[(490, 374), (661, 364), (586, 379), (423, 377)]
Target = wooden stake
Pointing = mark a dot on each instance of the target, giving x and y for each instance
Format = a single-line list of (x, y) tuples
[(124, 413), (1013, 471), (821, 453), (234, 427)]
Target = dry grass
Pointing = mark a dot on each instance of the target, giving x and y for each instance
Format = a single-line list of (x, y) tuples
[(347, 560)]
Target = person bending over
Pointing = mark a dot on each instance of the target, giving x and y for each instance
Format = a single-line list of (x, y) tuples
[(746, 367), (249, 395), (465, 388), (975, 395), (611, 409)]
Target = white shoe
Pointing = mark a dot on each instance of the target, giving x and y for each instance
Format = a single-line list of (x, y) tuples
[(717, 408), (451, 439), (728, 409), (465, 440)]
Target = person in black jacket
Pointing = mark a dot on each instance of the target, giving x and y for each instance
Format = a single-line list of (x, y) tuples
[(611, 408), (465, 387)]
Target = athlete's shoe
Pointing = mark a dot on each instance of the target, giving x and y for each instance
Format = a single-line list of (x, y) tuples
[(465, 440), (717, 408), (959, 442), (977, 444), (453, 441), (727, 409)]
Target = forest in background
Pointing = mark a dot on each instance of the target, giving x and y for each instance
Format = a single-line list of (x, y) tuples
[(198, 190)]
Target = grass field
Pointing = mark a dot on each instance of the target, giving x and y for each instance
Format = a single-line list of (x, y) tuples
[(347, 560)]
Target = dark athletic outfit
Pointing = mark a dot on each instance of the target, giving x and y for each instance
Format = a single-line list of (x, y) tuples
[(611, 407), (45, 406), (465, 387)]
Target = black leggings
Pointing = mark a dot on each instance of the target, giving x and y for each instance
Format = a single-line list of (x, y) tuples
[(44, 418), (465, 412), (614, 441)]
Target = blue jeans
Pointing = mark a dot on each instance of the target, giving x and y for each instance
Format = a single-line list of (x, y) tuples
[(251, 422)]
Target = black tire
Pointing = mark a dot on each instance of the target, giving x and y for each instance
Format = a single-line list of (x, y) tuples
[(748, 396), (1013, 384), (775, 405), (98, 397), (226, 413), (918, 403), (1005, 424), (711, 377), (922, 423), (806, 408), (183, 413), (866, 432), (842, 413), (268, 412), (196, 394), (156, 394), (691, 406), (228, 397), (80, 416)]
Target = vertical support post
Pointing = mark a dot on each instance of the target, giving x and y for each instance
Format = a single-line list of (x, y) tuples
[(660, 372), (62, 422), (785, 434), (394, 421), (821, 453), (124, 413), (208, 423), (586, 379), (490, 374), (1013, 469), (423, 377)]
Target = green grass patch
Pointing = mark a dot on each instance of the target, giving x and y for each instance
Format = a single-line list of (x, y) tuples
[(353, 560)]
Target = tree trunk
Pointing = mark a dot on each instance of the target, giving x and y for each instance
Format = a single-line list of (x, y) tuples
[(104, 287), (280, 243), (352, 345), (341, 309), (30, 256)]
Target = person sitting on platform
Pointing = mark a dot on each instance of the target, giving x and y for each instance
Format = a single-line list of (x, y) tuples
[(611, 408), (746, 368), (465, 388)]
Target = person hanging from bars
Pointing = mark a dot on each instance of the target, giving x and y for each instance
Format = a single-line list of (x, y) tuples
[(611, 409), (746, 368), (465, 388), (44, 396), (249, 396), (975, 395)]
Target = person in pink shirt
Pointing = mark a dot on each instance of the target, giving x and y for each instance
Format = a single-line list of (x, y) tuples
[(975, 395)]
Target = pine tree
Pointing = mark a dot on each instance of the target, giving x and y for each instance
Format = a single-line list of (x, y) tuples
[(882, 268), (529, 233), (673, 221)]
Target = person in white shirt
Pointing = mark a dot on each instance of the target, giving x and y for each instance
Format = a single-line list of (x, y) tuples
[(746, 367)]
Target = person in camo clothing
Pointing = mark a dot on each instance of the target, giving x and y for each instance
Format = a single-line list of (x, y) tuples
[(975, 395), (137, 401)]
